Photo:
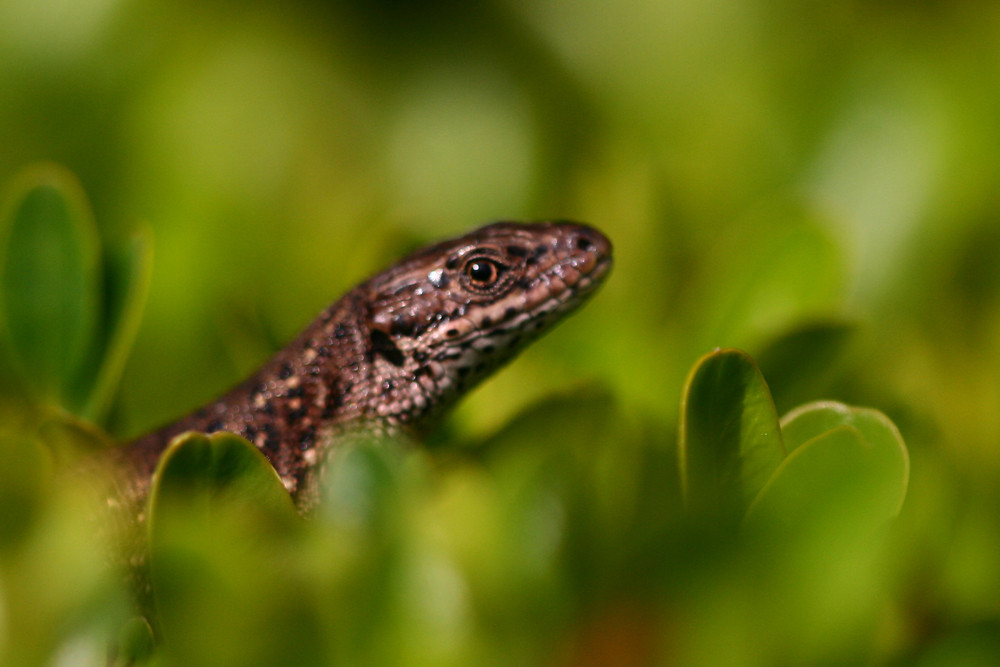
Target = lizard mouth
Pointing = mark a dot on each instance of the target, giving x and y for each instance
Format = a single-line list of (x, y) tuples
[(573, 278)]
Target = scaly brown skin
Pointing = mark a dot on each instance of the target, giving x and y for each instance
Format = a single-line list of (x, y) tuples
[(398, 350)]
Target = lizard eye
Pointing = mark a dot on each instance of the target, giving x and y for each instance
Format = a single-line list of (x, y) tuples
[(482, 273)]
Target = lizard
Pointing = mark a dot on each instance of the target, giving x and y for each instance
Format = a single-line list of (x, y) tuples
[(397, 351)]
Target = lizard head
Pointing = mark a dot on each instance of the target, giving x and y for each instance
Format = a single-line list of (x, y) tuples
[(449, 315)]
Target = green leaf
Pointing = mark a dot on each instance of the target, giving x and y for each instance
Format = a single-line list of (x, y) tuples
[(50, 278), (129, 271), (846, 463), (222, 531), (364, 483), (730, 440), (26, 469), (135, 643), (198, 472)]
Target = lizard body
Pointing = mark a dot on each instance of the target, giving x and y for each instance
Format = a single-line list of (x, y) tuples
[(396, 351)]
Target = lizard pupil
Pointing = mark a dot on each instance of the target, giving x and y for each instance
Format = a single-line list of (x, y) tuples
[(482, 272)]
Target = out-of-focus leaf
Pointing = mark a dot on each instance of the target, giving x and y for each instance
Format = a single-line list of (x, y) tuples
[(60, 597), (199, 471), (23, 473), (128, 277), (225, 582), (135, 643), (799, 361), (843, 460), (730, 440), (784, 266), (69, 437), (50, 279), (362, 488), (888, 451)]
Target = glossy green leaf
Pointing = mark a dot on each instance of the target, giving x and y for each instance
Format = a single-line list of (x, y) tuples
[(129, 271), (730, 440), (844, 461), (888, 451), (50, 277), (813, 419)]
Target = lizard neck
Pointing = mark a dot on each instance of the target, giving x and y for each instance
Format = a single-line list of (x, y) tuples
[(295, 404)]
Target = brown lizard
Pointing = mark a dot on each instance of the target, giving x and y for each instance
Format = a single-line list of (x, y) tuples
[(396, 351)]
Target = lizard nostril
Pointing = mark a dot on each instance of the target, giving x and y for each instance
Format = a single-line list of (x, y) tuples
[(578, 238)]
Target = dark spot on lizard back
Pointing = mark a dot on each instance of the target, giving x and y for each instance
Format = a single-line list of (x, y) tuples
[(335, 400), (286, 372), (402, 326), (382, 345)]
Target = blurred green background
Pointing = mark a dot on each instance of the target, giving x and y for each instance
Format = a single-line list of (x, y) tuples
[(816, 183)]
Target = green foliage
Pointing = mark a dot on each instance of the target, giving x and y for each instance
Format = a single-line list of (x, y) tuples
[(50, 280), (60, 601), (823, 457), (566, 523), (730, 442), (69, 311), (814, 183), (220, 540)]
